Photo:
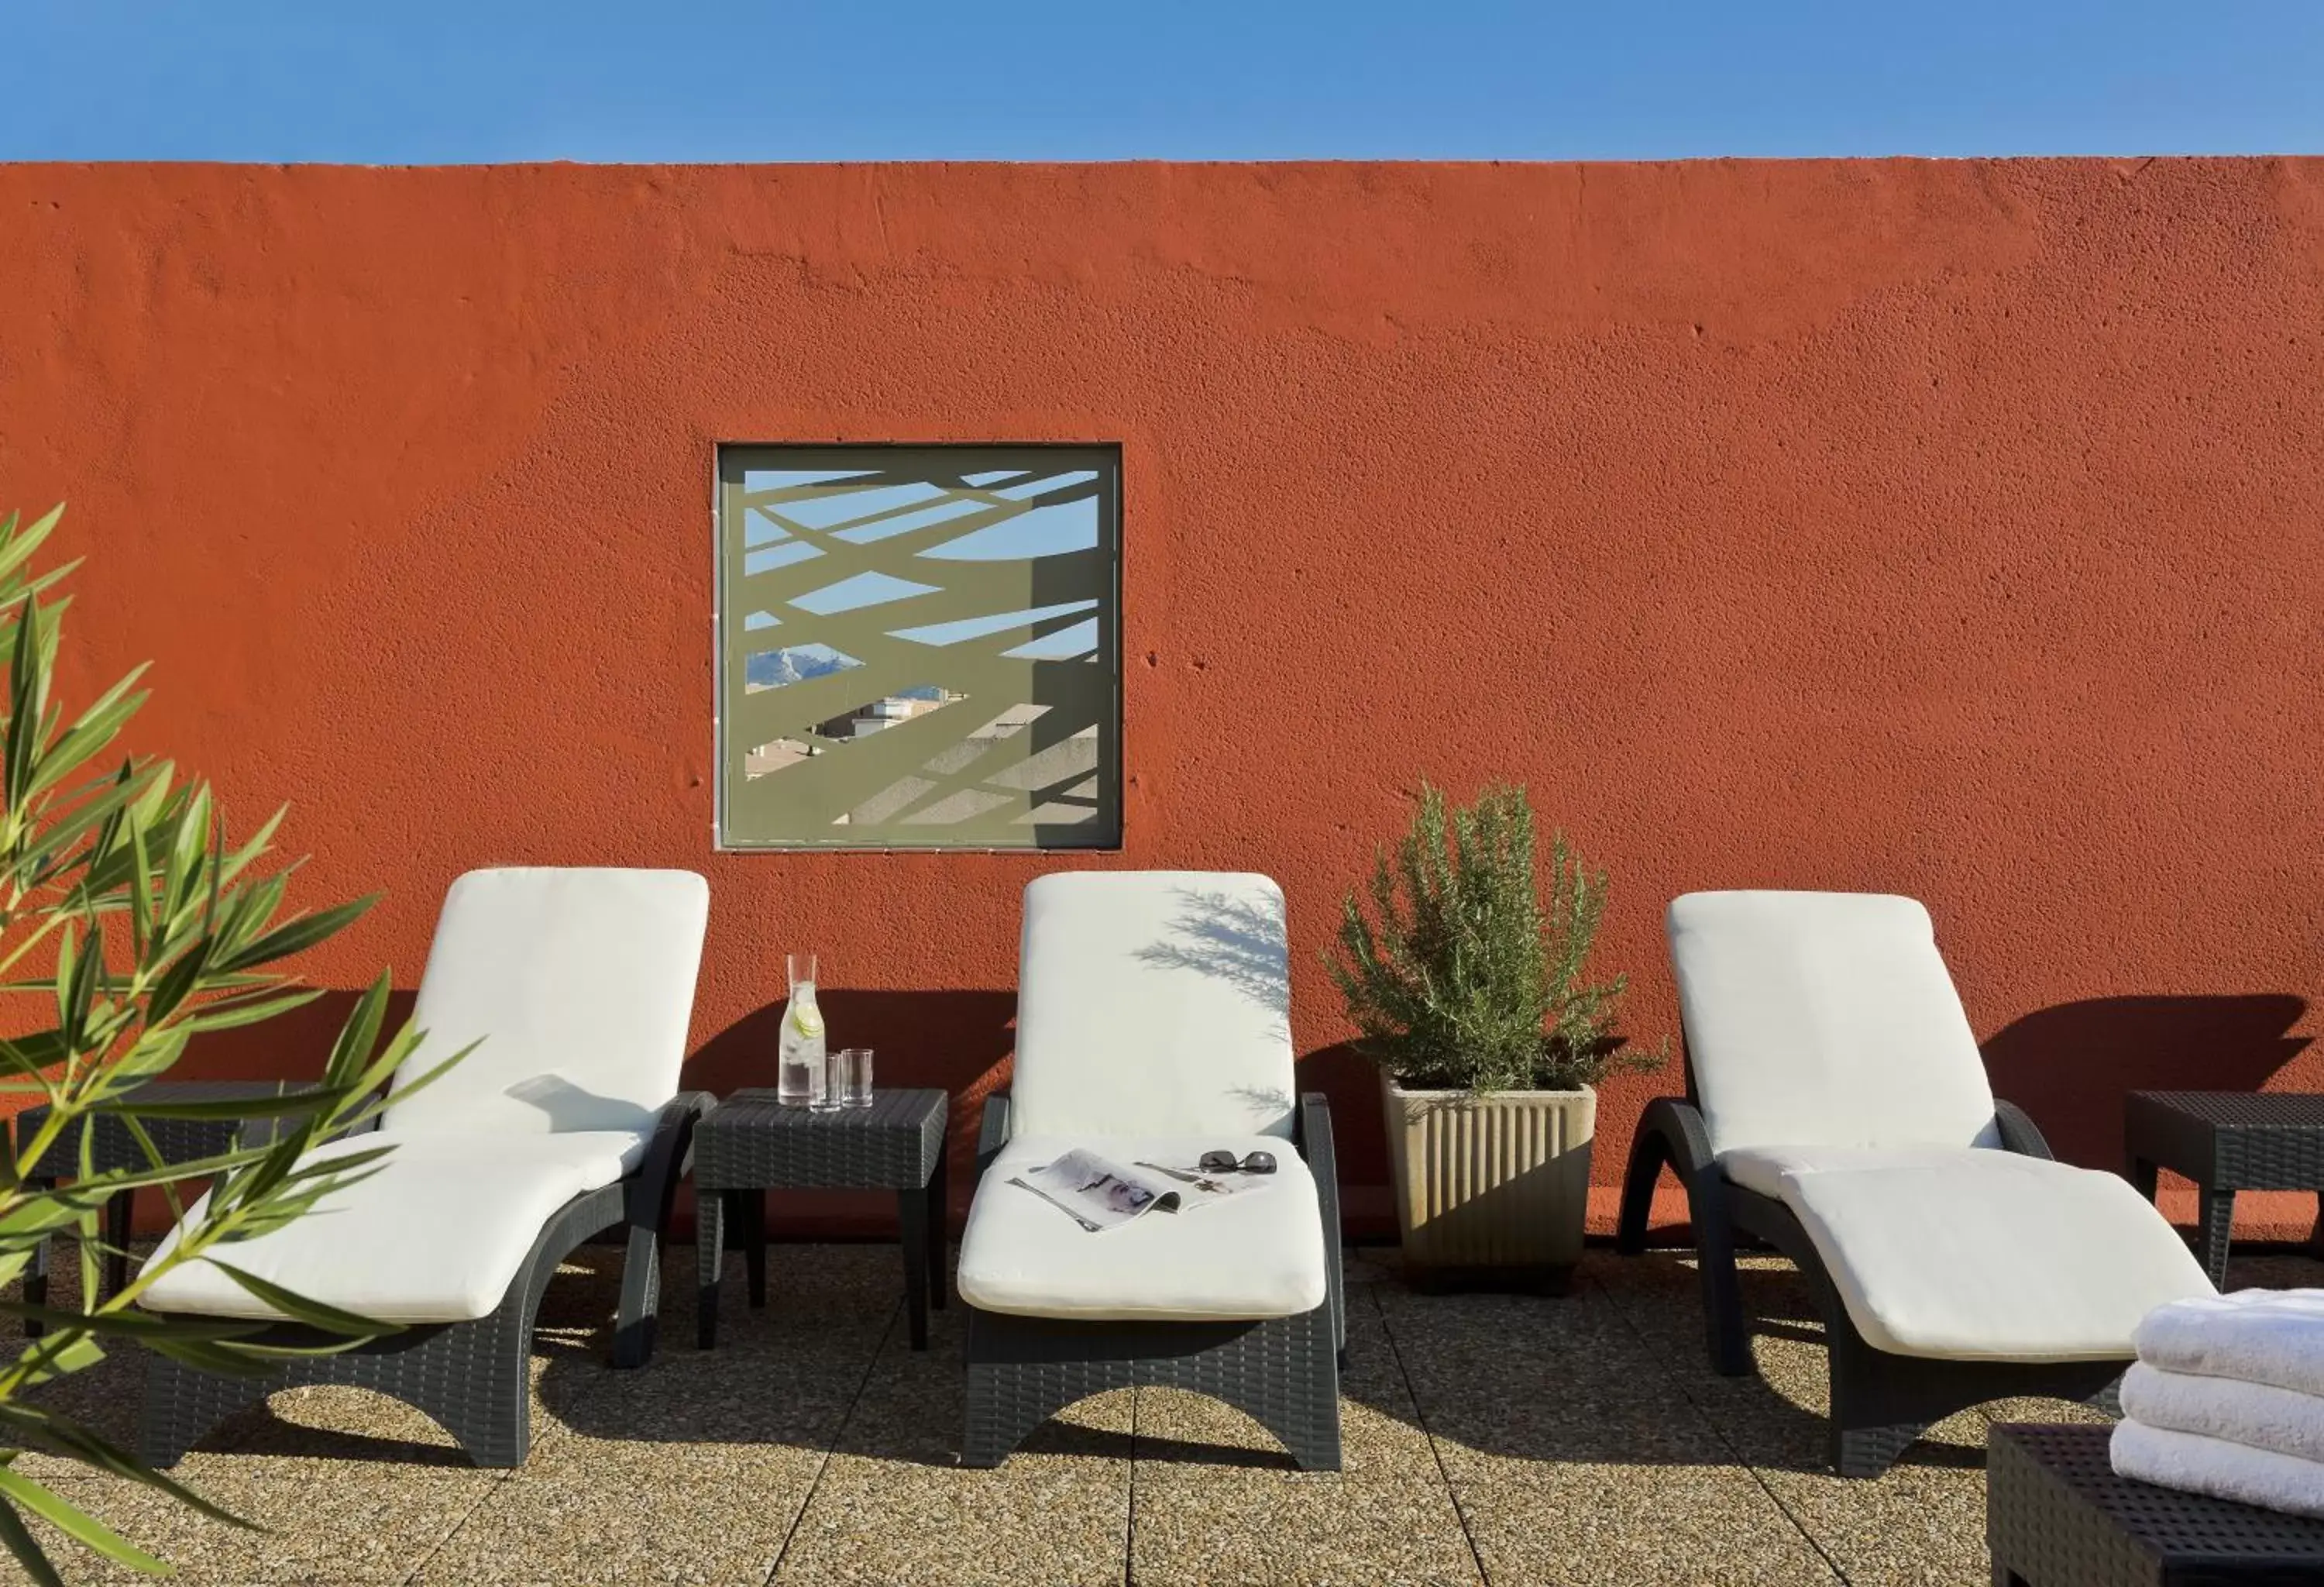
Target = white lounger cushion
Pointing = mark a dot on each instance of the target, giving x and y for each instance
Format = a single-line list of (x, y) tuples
[(1153, 1001), (1260, 1255), (1761, 1168), (434, 1236), (580, 983), (1976, 1254), (1824, 1018)]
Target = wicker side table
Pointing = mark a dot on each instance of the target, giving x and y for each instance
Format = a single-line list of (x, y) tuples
[(750, 1144), (2057, 1516), (178, 1141), (2225, 1142)]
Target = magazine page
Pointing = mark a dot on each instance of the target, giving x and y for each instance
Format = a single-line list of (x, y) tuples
[(1101, 1194), (1094, 1193)]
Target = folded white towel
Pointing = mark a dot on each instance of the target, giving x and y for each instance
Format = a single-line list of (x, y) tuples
[(2258, 1335), (2257, 1414), (2196, 1465)]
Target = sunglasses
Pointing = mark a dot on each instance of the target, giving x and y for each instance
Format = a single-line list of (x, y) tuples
[(1226, 1162)]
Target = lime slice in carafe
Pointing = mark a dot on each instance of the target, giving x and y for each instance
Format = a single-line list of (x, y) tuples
[(805, 1018)]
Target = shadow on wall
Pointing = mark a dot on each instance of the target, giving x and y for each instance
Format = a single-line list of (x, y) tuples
[(1358, 1141), (293, 1046), (953, 1040), (2071, 1066)]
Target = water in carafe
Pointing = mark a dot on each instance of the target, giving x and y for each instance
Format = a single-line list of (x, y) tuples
[(799, 1062)]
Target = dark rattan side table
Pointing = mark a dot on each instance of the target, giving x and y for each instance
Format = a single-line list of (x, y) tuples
[(2225, 1142), (2057, 1516), (750, 1144), (178, 1141)]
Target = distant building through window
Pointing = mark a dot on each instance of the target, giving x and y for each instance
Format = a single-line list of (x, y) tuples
[(919, 647)]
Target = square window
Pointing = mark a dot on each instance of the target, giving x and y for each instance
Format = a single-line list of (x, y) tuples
[(919, 647)]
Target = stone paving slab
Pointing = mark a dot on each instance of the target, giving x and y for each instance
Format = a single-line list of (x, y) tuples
[(1499, 1439), (1571, 1456), (1214, 1499)]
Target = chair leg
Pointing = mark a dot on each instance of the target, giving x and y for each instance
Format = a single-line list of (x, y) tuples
[(634, 1325), (1649, 1155), (119, 1212), (1729, 1336), (1005, 1403), (2217, 1209), (36, 1275), (1304, 1414), (709, 1256), (182, 1405), (1869, 1452), (754, 1207), (492, 1421), (912, 1221)]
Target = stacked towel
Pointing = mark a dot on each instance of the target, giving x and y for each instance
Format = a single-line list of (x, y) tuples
[(2227, 1398)]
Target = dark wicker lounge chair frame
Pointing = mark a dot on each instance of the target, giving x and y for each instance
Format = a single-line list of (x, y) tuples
[(473, 1379), (1283, 1373), (1881, 1402)]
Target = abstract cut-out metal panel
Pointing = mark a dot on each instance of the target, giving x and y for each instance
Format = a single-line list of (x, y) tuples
[(919, 647)]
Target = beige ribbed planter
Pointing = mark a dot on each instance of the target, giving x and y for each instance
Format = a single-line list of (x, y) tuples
[(1493, 1186)]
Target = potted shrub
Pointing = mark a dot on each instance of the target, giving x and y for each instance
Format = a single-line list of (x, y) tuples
[(1469, 988)]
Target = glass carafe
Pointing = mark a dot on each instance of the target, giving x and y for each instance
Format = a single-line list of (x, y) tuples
[(801, 1074)]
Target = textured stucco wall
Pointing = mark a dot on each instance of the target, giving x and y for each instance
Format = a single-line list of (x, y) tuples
[(1954, 529)]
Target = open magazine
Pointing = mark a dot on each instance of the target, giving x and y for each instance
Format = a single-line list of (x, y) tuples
[(1099, 1194)]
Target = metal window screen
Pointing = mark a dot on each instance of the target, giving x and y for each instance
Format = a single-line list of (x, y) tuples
[(919, 647)]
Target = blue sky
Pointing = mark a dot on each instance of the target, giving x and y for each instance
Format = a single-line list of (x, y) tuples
[(427, 81)]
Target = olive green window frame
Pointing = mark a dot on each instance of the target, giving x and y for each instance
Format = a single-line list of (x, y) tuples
[(795, 808)]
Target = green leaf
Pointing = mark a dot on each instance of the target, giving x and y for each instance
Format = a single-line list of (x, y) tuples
[(359, 1034), (107, 804), (226, 1015), (298, 935), (28, 686), (18, 545), (314, 1314), (94, 730), (82, 1528), (27, 1550), (175, 984), (128, 1324), (257, 844), (288, 1105), (205, 1356), (32, 1426)]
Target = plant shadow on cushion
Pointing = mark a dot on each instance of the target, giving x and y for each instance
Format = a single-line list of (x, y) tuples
[(2070, 1066), (1233, 940)]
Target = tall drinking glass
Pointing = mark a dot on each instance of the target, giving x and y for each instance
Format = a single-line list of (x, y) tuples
[(830, 1084), (859, 1077)]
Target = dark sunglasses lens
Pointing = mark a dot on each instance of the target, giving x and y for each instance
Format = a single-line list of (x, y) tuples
[(1218, 1162), (1259, 1162)]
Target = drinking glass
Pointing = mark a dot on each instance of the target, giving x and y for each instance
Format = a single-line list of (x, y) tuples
[(859, 1077), (830, 1084)]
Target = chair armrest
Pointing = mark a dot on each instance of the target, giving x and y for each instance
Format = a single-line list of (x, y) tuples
[(1312, 1135), (1671, 1133), (2019, 1131), (668, 1155), (1688, 1137), (993, 1133)]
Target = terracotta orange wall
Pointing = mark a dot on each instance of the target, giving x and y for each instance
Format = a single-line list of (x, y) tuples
[(1955, 528)]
